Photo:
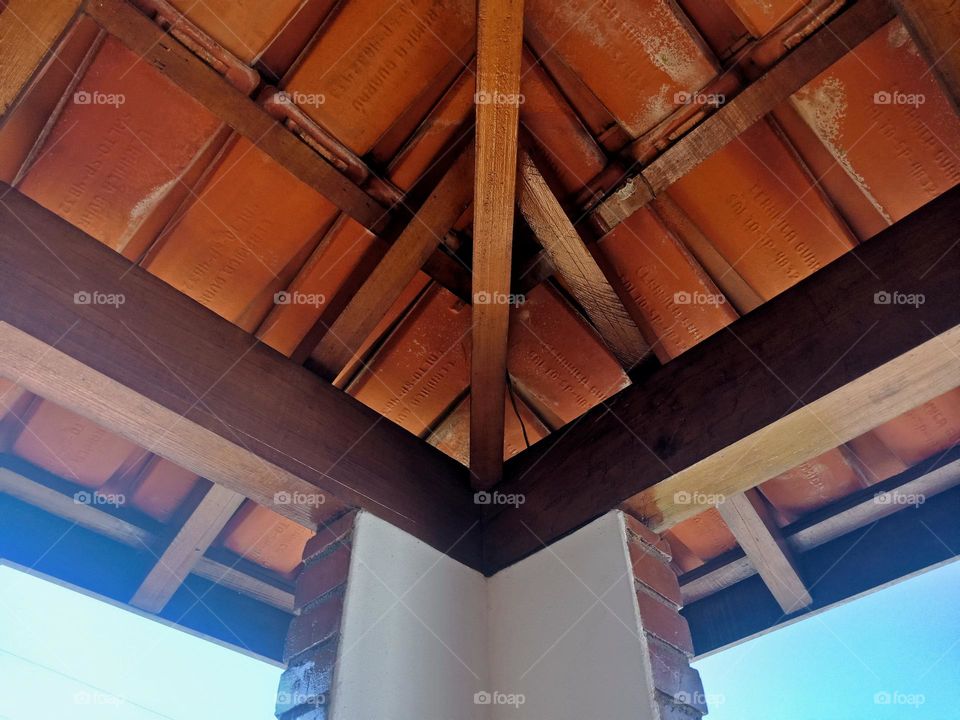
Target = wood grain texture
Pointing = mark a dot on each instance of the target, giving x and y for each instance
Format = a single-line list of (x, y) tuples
[(178, 380), (573, 261), (935, 27), (813, 56), (753, 525), (393, 273), (188, 545), (499, 45), (217, 95), (816, 366)]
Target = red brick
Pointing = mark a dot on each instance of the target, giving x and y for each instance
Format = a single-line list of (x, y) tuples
[(319, 623), (637, 531), (650, 569), (328, 534), (673, 676), (308, 681), (320, 577), (664, 622)]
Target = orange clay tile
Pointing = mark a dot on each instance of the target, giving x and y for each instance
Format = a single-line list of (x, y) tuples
[(21, 129), (293, 37), (452, 436), (342, 260), (557, 362), (423, 367), (108, 165), (705, 535), (718, 24), (161, 489), (243, 28), (73, 447), (884, 119), (924, 431), (572, 157), (757, 205), (762, 16), (666, 293), (373, 59), (649, 51), (244, 237), (877, 461), (811, 485), (265, 538)]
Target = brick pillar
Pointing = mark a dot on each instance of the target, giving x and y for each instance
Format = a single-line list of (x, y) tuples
[(310, 650), (678, 692)]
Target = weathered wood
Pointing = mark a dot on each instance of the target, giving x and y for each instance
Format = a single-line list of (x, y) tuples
[(809, 59), (499, 45), (178, 380), (393, 273), (753, 525), (813, 368), (935, 27), (217, 95), (573, 261), (184, 551)]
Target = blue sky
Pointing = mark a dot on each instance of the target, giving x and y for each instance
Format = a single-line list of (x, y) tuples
[(66, 655), (899, 646)]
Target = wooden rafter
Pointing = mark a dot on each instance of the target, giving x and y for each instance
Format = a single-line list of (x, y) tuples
[(499, 46), (577, 267), (823, 362), (173, 377)]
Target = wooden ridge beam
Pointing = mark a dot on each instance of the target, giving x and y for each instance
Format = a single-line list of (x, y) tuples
[(753, 525), (183, 552), (397, 268), (499, 46), (809, 59), (935, 27), (819, 364), (578, 268), (178, 380)]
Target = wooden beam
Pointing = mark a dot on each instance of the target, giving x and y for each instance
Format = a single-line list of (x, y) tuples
[(935, 27), (398, 267), (809, 59), (178, 380), (580, 272), (188, 545), (753, 525), (216, 94), (813, 368), (499, 45)]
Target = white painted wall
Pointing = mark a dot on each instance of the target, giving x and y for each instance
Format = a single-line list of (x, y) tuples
[(414, 631), (565, 632), (422, 634)]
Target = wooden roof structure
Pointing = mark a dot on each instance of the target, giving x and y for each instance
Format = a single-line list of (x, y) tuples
[(263, 263)]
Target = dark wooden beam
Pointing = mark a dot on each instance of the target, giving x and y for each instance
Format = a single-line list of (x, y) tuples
[(173, 377), (499, 45), (935, 27), (809, 59), (816, 366)]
